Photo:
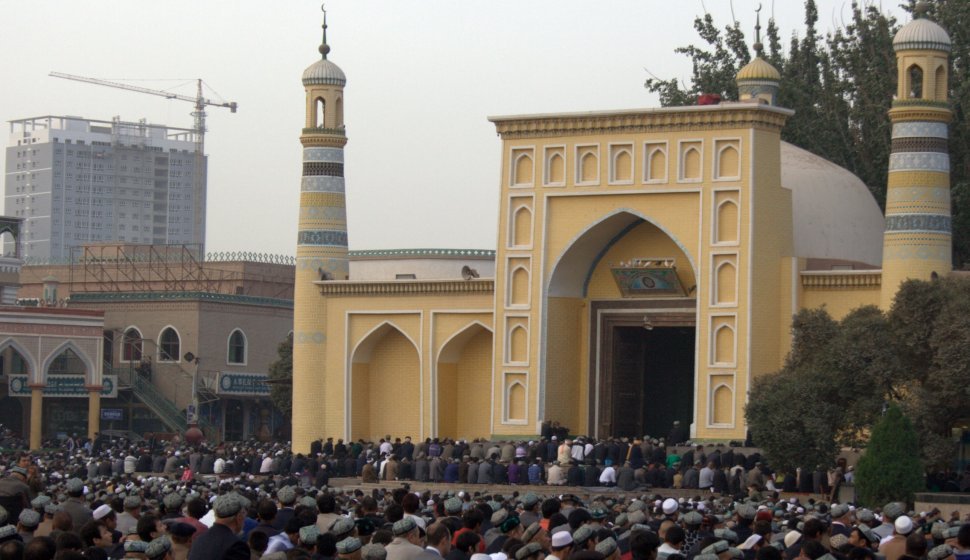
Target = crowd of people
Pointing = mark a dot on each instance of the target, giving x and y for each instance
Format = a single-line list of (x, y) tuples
[(110, 498)]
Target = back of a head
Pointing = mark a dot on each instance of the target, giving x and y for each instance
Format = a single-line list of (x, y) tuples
[(326, 503), (393, 513), (40, 548), (472, 518), (857, 553), (12, 550), (69, 554), (258, 541), (62, 522), (89, 532), (916, 544), (196, 508), (963, 537), (410, 503), (438, 533), (466, 542), (813, 528), (69, 541), (578, 517), (768, 553), (675, 535), (267, 510), (813, 550), (147, 524), (326, 545), (643, 545), (551, 507)]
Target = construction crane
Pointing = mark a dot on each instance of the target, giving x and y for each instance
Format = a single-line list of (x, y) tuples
[(199, 127)]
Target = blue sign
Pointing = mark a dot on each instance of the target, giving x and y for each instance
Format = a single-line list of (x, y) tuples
[(242, 384), (73, 386), (112, 414)]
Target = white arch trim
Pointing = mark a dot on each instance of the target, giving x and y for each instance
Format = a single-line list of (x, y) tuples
[(461, 338), (510, 291), (718, 172), (513, 180), (245, 338), (716, 284), (158, 345), (33, 372), (712, 401), (734, 343), (524, 207), (366, 344), (89, 375), (649, 150), (593, 247), (121, 343), (508, 344), (507, 412)]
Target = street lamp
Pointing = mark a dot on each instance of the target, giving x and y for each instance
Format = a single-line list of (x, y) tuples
[(193, 434)]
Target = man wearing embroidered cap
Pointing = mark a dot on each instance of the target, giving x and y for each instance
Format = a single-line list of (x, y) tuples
[(373, 551), (159, 549), (349, 548), (220, 541), (407, 543), (14, 491), (129, 518), (27, 523), (76, 507)]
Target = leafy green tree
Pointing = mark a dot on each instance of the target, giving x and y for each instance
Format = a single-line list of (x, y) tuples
[(790, 414), (931, 321), (890, 469), (281, 371)]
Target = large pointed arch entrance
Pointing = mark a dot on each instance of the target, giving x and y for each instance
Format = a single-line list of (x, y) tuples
[(624, 290)]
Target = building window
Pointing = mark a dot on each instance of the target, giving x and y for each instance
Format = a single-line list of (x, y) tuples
[(237, 348), (169, 346), (131, 346)]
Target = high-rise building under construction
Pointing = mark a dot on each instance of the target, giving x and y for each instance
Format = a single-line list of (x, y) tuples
[(77, 181)]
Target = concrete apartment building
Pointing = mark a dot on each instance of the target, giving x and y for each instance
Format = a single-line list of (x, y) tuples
[(76, 181)]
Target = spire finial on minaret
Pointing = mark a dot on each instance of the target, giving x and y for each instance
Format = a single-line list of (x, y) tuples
[(921, 10), (758, 47), (324, 47)]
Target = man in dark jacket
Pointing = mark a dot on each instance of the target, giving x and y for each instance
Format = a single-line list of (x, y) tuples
[(220, 541)]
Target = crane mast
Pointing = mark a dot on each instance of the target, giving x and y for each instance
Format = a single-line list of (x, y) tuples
[(198, 116)]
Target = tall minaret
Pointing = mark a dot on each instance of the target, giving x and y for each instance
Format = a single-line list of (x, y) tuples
[(917, 241), (321, 247)]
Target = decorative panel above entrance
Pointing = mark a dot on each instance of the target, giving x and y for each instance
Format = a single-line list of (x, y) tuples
[(649, 277)]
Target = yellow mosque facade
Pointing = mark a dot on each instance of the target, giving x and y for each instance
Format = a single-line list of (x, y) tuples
[(647, 267)]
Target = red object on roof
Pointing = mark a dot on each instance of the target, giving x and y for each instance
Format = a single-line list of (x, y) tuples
[(709, 99)]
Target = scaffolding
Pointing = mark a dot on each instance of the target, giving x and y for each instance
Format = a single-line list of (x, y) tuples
[(120, 268)]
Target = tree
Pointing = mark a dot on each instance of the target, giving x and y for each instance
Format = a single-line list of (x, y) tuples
[(281, 372), (890, 468), (837, 377), (788, 414), (931, 322)]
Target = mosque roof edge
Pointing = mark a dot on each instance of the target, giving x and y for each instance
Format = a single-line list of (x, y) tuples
[(427, 253)]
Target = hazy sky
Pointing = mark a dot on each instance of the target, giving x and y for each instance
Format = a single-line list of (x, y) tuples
[(422, 161)]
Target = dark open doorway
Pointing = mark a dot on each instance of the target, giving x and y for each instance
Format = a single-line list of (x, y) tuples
[(652, 379)]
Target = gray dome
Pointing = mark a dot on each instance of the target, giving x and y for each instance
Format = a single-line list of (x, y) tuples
[(324, 72), (921, 34)]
